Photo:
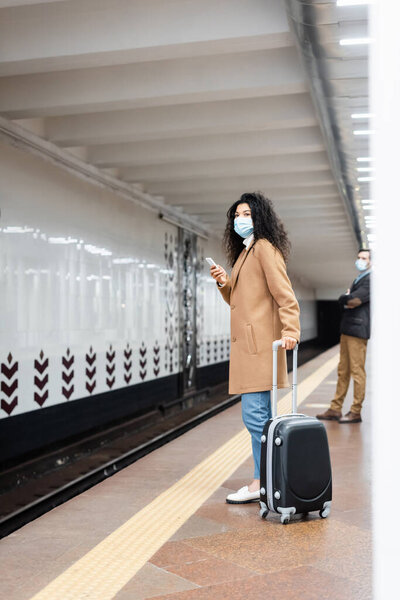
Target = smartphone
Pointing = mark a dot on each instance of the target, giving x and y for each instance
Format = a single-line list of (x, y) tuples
[(211, 262)]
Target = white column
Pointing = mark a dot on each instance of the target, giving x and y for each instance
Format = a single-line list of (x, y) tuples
[(385, 93)]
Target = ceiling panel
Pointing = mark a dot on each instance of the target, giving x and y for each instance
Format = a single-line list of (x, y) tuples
[(196, 103)]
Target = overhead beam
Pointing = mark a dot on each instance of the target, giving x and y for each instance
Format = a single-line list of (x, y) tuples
[(241, 182), (13, 3), (277, 195), (185, 120), (38, 38), (258, 165), (298, 210), (208, 147), (161, 83)]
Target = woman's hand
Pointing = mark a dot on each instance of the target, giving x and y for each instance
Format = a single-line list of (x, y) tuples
[(288, 343), (219, 274)]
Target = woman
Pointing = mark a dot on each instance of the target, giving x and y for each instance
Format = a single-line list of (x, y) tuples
[(263, 308)]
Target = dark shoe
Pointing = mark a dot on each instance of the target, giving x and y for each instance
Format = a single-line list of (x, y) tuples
[(330, 415), (351, 417)]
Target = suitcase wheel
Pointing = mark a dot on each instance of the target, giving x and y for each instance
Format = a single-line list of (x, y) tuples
[(285, 519), (326, 509), (263, 510)]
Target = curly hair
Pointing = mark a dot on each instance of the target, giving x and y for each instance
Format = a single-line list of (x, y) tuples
[(266, 224)]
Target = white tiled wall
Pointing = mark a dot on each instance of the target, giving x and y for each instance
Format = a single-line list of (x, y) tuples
[(89, 290), (213, 315)]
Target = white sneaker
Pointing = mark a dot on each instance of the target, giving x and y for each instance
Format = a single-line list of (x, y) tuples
[(243, 496)]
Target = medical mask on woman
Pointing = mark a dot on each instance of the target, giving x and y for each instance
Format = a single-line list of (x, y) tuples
[(361, 264), (244, 226)]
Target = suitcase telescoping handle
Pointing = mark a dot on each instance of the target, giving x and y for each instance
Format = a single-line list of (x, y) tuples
[(275, 345)]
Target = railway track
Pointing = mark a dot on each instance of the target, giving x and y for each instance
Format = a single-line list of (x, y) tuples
[(36, 486)]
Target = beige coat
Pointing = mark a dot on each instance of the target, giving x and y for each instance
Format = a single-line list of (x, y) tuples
[(263, 308)]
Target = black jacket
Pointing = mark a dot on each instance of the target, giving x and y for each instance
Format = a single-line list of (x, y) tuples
[(356, 321)]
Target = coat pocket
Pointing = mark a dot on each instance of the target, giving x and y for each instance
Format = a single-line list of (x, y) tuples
[(355, 320), (251, 340)]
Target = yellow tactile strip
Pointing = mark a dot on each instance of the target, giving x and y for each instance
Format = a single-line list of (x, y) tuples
[(105, 569)]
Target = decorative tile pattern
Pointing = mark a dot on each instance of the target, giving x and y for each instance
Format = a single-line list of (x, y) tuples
[(127, 364), (9, 384), (142, 361), (91, 370), (110, 367), (171, 314), (156, 359), (67, 374), (41, 379)]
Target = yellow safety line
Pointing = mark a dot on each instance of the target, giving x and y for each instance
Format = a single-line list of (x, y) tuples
[(107, 568)]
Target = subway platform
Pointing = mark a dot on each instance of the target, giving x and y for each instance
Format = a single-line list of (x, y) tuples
[(161, 528)]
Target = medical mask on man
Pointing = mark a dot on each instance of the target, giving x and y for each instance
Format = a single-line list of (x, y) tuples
[(243, 226), (361, 264)]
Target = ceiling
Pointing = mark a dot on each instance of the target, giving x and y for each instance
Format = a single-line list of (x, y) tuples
[(197, 102)]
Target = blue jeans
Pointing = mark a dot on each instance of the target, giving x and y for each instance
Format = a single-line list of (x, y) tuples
[(256, 410)]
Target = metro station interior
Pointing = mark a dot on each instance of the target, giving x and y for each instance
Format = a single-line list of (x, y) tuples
[(127, 130)]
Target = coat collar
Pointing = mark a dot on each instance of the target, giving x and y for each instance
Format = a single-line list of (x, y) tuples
[(361, 276), (247, 241), (239, 263)]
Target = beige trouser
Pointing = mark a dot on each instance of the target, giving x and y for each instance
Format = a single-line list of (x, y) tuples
[(351, 363)]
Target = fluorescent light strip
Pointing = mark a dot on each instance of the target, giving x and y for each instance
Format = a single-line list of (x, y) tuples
[(367, 201), (365, 178), (362, 115), (365, 169), (365, 159), (353, 2), (355, 41), (363, 131)]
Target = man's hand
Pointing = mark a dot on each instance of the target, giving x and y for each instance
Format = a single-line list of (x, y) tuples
[(353, 303), (288, 343)]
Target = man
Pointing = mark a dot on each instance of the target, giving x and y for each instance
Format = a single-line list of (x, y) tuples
[(355, 332)]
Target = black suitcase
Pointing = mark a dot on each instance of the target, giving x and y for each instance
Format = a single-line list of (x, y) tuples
[(295, 466)]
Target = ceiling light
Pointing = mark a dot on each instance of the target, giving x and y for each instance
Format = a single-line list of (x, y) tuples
[(62, 240), (365, 169), (367, 201), (363, 131), (370, 225), (17, 229), (365, 159), (368, 207), (355, 41), (371, 237), (362, 115), (123, 261), (353, 2), (365, 178)]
